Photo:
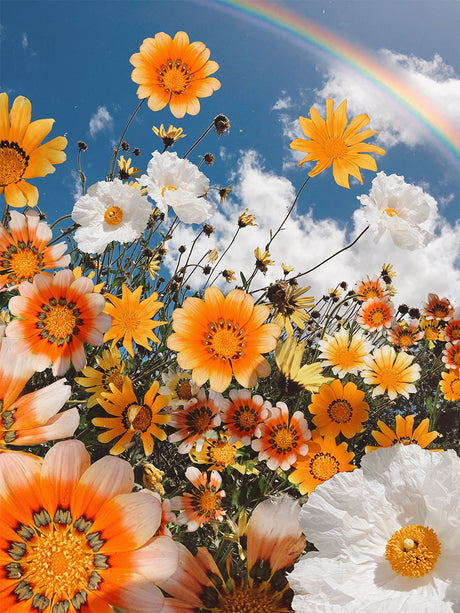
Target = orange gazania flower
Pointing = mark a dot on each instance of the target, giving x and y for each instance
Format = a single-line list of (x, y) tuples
[(131, 417), (79, 540), (339, 409), (132, 319), (21, 155), (204, 503), (221, 335), (218, 453), (324, 460), (274, 542), (450, 385), (432, 331), (24, 251), (33, 418), (243, 415), (451, 355), (344, 354), (175, 72), (332, 143), (282, 439), (56, 315), (196, 420), (452, 330), (370, 287), (391, 372), (405, 334), (437, 308), (404, 433), (375, 314)]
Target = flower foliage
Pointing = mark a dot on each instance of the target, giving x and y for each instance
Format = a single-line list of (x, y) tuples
[(226, 401)]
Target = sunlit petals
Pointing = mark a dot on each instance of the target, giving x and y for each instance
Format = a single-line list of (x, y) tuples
[(308, 377), (450, 385), (451, 355), (111, 369), (391, 372), (344, 353), (244, 415), (437, 308), (403, 434), (376, 314)]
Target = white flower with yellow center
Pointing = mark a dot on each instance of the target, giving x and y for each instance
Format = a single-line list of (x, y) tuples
[(388, 536), (400, 208), (177, 183), (110, 211)]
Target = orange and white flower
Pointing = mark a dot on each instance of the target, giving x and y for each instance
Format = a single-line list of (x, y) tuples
[(223, 335), (451, 355), (244, 415), (391, 372), (80, 539), (437, 308), (370, 287), (344, 352), (24, 250), (55, 316), (376, 314), (282, 438), (403, 334), (452, 329)]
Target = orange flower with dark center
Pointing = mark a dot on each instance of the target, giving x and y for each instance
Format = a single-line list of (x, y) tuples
[(404, 433), (375, 314), (451, 355), (450, 385), (21, 155), (405, 335), (339, 409), (221, 335), (370, 288), (452, 330), (243, 415), (175, 72), (324, 460), (332, 143), (437, 308)]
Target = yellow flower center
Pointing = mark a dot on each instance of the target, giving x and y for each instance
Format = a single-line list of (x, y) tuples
[(439, 311), (175, 77), (140, 417), (22, 262), (431, 333), (377, 316), (59, 321), (388, 377), (183, 389), (168, 188), (13, 163), (245, 418), (225, 340), (455, 386), (456, 356), (253, 599), (56, 561), (207, 502), (391, 212), (340, 411), (129, 322), (112, 375), (405, 339), (283, 438), (454, 333), (323, 466), (113, 216), (413, 551), (199, 419), (335, 148), (222, 453), (371, 292)]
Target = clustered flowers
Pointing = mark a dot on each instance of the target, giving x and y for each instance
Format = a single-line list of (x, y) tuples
[(200, 416)]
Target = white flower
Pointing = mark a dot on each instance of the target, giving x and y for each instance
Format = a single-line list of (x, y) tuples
[(177, 183), (352, 517), (110, 211), (398, 207)]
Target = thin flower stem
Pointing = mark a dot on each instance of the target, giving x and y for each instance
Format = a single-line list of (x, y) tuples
[(287, 214), (199, 140), (115, 153), (59, 220), (226, 250)]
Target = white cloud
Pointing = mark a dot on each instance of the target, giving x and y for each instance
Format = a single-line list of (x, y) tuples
[(77, 190), (283, 102), (306, 241), (101, 120), (24, 41), (432, 80)]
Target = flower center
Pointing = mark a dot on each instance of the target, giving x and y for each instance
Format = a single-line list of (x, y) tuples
[(413, 551), (59, 321), (246, 418), (112, 375), (440, 311), (335, 148), (225, 340), (455, 386), (377, 316), (129, 322), (175, 77), (222, 453), (340, 411), (391, 212), (199, 419), (168, 188), (22, 262), (254, 599), (431, 333), (454, 332), (13, 163), (405, 339), (388, 377), (323, 466), (371, 292), (140, 417), (283, 438), (113, 215), (183, 389), (346, 358), (56, 561)]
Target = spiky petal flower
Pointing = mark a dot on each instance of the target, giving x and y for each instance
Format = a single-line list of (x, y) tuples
[(387, 536), (24, 250), (223, 335), (450, 385), (344, 352), (332, 143), (437, 308), (21, 155), (55, 316), (294, 377), (404, 433), (376, 314), (175, 72), (80, 540), (132, 318), (244, 415), (391, 372), (97, 380), (451, 355)]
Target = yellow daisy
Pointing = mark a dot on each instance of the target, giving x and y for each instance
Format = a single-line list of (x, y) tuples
[(295, 378), (404, 433), (332, 143), (391, 372), (98, 381), (218, 453), (132, 319), (289, 304), (343, 353)]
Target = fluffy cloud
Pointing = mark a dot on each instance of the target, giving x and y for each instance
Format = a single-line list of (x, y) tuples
[(101, 120), (306, 240), (283, 102), (24, 41)]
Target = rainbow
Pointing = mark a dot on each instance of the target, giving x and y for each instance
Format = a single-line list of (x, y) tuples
[(441, 131)]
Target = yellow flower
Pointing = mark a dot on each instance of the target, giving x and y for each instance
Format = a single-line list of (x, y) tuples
[(391, 372), (218, 453), (332, 143), (246, 220), (288, 357), (132, 319), (229, 275), (21, 155), (77, 273), (125, 170), (289, 304), (170, 136), (263, 260), (98, 381), (404, 433)]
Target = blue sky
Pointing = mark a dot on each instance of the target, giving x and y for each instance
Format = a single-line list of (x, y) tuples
[(71, 59)]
